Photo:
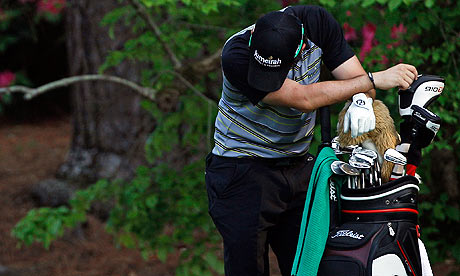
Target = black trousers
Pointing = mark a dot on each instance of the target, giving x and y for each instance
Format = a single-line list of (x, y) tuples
[(256, 203)]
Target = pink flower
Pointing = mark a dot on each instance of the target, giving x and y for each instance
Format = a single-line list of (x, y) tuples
[(348, 13), (398, 31), (350, 32), (384, 60), (286, 3), (50, 6), (368, 32), (6, 78), (393, 45)]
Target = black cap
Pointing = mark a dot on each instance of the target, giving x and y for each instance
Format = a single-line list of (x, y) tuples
[(274, 44)]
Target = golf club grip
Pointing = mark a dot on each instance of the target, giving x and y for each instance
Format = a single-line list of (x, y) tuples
[(325, 121)]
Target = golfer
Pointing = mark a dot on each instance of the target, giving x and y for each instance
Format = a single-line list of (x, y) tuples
[(258, 171)]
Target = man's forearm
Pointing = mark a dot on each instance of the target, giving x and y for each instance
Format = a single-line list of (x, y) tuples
[(351, 69), (316, 95), (312, 96)]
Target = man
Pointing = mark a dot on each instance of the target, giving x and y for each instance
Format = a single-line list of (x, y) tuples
[(258, 171)]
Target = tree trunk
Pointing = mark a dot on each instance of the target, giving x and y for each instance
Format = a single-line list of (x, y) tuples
[(109, 125)]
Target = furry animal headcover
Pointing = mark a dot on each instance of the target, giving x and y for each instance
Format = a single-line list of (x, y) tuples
[(384, 136)]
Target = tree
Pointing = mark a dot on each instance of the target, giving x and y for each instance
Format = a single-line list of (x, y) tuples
[(175, 40), (109, 125)]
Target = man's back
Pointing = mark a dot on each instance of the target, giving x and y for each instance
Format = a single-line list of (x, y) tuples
[(248, 127)]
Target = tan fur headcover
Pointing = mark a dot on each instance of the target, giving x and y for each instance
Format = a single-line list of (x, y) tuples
[(384, 136)]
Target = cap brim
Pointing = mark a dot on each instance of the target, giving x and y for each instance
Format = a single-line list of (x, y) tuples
[(265, 78)]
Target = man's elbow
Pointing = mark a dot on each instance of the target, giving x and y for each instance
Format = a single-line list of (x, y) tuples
[(292, 95), (306, 105)]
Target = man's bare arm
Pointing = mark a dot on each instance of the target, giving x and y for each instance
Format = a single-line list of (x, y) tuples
[(351, 69), (312, 96)]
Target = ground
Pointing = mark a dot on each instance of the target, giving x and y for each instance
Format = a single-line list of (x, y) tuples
[(30, 152)]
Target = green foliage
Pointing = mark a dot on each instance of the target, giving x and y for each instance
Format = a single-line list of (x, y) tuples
[(198, 28), (429, 41), (41, 225), (7, 39), (177, 202), (442, 217), (164, 207), (45, 224), (160, 210)]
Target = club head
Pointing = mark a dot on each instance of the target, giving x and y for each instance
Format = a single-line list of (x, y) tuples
[(370, 145), (366, 158), (359, 163), (335, 167), (394, 156), (338, 150), (370, 153), (348, 169)]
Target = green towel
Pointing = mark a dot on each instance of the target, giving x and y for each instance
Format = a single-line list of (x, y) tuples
[(314, 229)]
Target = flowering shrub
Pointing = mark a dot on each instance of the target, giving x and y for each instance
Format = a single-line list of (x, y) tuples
[(425, 34), (398, 31), (349, 32), (50, 6), (369, 40), (14, 31), (6, 78)]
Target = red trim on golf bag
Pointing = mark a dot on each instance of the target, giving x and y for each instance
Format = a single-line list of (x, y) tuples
[(402, 251), (380, 211), (377, 226)]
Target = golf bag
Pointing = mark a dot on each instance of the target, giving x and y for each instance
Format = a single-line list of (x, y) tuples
[(377, 234)]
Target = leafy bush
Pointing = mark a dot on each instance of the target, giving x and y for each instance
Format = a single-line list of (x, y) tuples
[(425, 34), (164, 207)]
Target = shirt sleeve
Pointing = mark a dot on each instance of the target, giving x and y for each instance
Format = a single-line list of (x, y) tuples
[(235, 64), (323, 30)]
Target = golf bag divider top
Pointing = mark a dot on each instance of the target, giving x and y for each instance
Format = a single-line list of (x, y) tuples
[(377, 234)]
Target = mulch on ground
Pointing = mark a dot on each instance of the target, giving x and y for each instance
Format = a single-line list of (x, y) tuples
[(33, 152)]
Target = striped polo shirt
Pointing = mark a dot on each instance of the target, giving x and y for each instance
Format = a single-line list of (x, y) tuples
[(247, 127)]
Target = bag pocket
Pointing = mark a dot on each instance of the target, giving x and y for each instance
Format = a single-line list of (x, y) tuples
[(341, 266), (352, 235), (348, 248)]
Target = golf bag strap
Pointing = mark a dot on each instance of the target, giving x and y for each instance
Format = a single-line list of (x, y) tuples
[(314, 229)]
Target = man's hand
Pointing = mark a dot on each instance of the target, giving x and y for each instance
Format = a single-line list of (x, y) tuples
[(360, 116), (401, 75)]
